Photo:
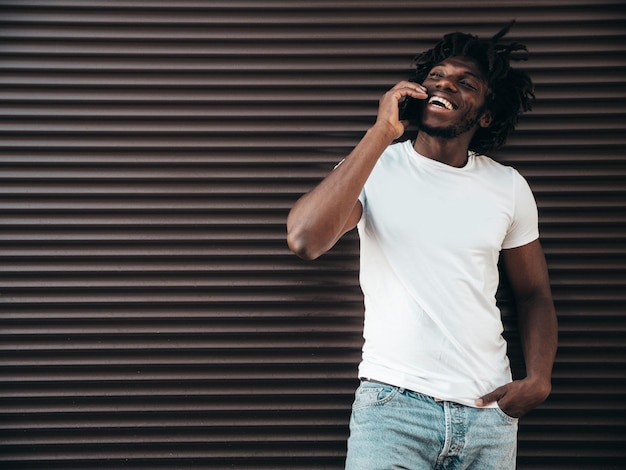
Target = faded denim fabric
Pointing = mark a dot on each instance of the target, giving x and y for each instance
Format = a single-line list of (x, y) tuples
[(393, 428)]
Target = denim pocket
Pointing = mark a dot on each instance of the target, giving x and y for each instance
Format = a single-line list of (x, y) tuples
[(509, 419), (373, 394)]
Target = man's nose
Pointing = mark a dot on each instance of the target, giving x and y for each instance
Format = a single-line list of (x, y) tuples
[(446, 83)]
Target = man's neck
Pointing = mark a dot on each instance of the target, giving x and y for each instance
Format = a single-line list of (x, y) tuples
[(451, 152)]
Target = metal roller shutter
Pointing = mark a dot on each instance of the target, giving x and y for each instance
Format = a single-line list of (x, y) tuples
[(151, 315)]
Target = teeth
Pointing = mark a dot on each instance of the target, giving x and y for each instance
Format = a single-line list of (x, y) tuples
[(442, 102)]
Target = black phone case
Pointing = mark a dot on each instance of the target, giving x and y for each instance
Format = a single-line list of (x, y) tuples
[(409, 109)]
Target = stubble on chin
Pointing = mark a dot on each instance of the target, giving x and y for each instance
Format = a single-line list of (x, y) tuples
[(452, 131)]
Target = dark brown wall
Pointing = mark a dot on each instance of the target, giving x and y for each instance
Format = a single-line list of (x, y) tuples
[(150, 313)]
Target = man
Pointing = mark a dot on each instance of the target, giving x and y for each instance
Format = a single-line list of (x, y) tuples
[(434, 216)]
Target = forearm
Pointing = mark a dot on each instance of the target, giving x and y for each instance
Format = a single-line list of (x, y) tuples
[(319, 218), (538, 329)]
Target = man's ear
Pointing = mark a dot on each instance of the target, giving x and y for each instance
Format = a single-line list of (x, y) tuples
[(486, 119)]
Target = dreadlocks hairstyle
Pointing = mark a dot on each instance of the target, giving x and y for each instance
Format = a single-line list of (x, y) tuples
[(511, 91)]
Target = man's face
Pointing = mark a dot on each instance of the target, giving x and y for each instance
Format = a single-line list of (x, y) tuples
[(456, 103)]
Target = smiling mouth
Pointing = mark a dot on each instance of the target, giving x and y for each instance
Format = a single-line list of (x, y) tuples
[(442, 103)]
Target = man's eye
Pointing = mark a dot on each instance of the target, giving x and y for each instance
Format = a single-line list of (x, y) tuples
[(436, 75), (467, 84)]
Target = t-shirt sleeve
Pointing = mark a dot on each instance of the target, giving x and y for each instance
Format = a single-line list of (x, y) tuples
[(363, 201), (524, 227)]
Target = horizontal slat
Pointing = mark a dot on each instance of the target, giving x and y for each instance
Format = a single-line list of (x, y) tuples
[(286, 16)]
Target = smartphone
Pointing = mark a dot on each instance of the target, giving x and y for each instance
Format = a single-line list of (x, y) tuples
[(409, 108)]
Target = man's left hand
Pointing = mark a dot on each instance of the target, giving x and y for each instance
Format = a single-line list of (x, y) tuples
[(518, 397)]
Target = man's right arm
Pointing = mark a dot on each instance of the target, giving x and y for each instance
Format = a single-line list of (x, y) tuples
[(319, 218)]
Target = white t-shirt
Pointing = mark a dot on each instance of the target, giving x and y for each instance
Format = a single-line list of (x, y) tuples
[(430, 236)]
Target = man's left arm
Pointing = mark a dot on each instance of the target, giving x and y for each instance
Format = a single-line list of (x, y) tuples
[(528, 275)]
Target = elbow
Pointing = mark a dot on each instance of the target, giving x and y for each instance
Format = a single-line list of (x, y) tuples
[(301, 248), (300, 245)]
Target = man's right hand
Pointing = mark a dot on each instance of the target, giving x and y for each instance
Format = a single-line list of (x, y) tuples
[(389, 103)]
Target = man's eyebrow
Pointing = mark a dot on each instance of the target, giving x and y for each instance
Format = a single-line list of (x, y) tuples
[(465, 71)]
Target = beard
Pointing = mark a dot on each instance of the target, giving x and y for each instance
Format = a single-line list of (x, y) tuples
[(450, 132)]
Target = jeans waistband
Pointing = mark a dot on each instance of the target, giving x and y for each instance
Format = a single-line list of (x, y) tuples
[(401, 389)]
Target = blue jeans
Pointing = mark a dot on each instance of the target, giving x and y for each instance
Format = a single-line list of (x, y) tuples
[(393, 428)]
